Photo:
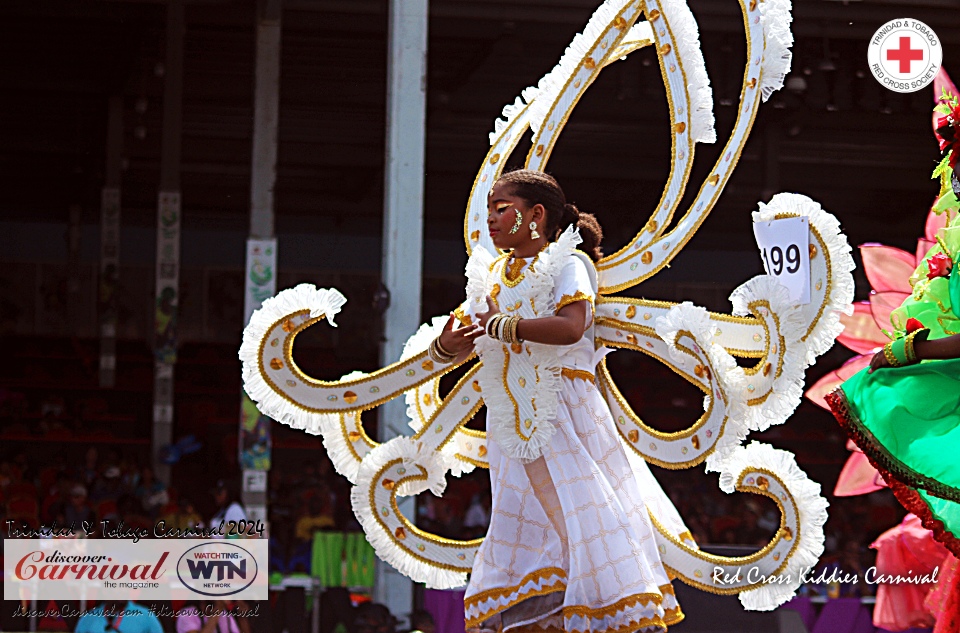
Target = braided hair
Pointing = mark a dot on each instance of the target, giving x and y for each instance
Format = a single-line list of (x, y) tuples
[(536, 187)]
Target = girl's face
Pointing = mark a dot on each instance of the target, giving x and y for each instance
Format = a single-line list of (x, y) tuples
[(502, 213)]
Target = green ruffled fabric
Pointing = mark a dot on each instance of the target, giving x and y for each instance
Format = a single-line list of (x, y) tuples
[(907, 419), (913, 414), (934, 302)]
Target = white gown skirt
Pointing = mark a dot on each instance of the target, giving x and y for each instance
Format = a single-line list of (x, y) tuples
[(571, 542)]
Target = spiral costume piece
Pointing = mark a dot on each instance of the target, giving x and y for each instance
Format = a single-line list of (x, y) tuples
[(555, 417)]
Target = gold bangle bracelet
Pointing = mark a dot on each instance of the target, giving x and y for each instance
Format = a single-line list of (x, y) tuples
[(433, 351), (888, 354), (909, 348), (442, 349), (492, 325)]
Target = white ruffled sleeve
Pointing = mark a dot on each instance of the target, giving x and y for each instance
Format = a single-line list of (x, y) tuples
[(573, 284)]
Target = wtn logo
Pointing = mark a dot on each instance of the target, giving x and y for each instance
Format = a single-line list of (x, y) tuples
[(224, 569), (219, 568)]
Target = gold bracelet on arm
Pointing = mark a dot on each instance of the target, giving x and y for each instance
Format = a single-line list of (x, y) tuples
[(513, 329), (909, 348), (491, 325), (434, 352), (888, 354), (443, 351)]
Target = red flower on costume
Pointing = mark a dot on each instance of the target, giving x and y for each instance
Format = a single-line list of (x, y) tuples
[(913, 325), (940, 265), (945, 132)]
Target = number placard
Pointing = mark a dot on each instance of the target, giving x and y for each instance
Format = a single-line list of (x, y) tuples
[(785, 250)]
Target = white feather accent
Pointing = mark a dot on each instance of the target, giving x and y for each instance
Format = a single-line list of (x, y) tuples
[(512, 110), (320, 302), (777, 40), (686, 35), (419, 342), (840, 299), (383, 543), (727, 375), (551, 85), (812, 509), (478, 277), (787, 389)]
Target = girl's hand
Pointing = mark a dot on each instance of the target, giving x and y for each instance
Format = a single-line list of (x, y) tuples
[(879, 361), (483, 317), (459, 340)]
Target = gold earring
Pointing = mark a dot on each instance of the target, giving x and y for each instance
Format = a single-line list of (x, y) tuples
[(533, 231), (516, 225)]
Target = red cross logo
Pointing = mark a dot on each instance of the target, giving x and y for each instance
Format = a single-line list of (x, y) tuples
[(905, 54)]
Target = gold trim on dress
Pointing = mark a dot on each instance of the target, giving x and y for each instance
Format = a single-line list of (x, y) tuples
[(643, 623), (611, 609), (582, 374), (510, 280), (566, 300), (495, 594)]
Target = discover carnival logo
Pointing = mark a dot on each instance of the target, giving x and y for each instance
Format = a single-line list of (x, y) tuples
[(217, 568), (905, 55), (157, 569)]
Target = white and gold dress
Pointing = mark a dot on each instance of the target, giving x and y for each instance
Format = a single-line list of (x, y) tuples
[(571, 543)]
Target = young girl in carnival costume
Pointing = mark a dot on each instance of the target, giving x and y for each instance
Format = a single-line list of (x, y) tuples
[(570, 544), (903, 411)]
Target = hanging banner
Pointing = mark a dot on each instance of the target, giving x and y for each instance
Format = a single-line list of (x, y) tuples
[(168, 277), (260, 283), (109, 285)]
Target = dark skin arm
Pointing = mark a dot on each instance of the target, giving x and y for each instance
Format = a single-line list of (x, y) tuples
[(564, 328), (939, 349), (459, 341)]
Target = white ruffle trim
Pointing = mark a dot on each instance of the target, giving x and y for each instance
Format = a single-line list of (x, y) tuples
[(812, 509), (417, 343), (413, 453), (334, 437), (639, 32), (414, 345), (320, 302), (552, 84), (786, 390), (726, 373), (777, 40), (549, 265), (686, 35), (477, 272), (501, 419), (512, 110), (840, 300)]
